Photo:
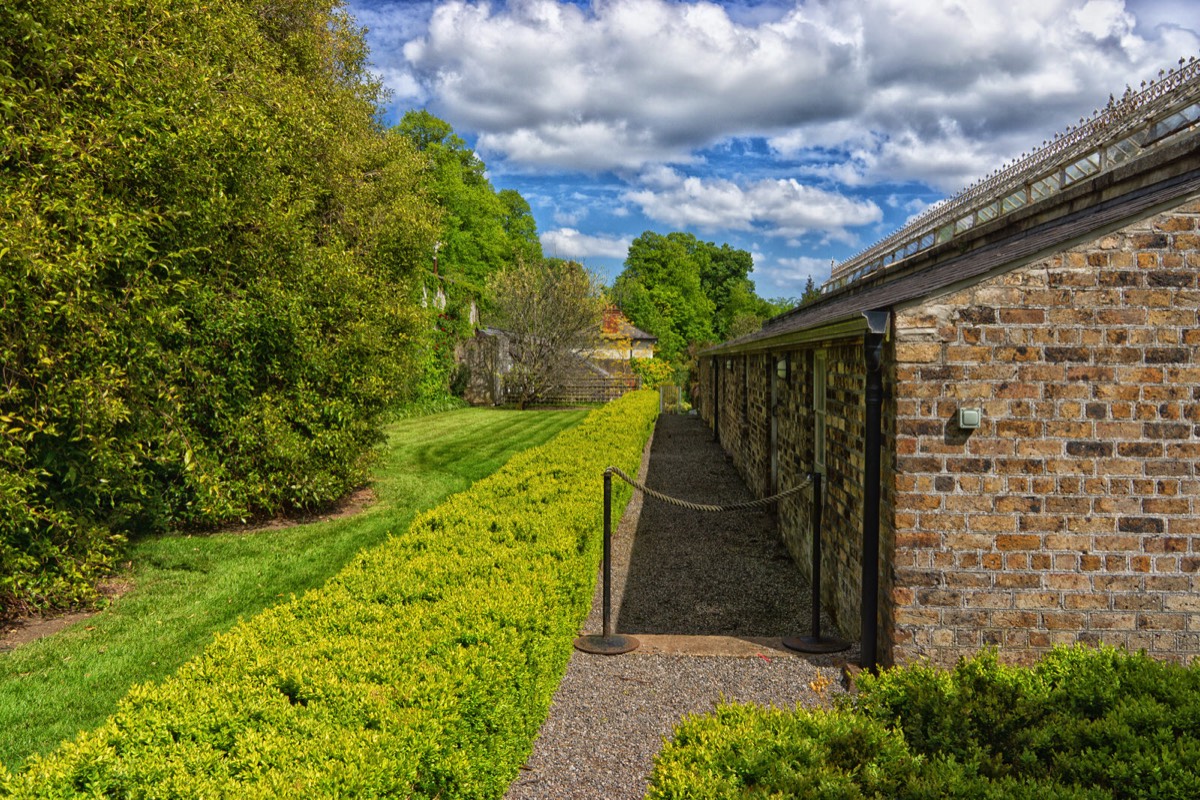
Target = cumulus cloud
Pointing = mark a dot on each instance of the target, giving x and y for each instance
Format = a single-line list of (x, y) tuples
[(786, 277), (390, 23), (570, 243), (783, 207), (625, 83)]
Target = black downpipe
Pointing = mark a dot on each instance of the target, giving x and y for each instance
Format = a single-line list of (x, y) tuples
[(873, 440)]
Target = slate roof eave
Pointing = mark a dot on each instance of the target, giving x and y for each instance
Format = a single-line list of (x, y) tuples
[(941, 269)]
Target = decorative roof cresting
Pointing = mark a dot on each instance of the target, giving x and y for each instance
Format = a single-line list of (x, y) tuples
[(1125, 129)]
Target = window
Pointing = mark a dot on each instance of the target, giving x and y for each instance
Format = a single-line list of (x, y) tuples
[(818, 376)]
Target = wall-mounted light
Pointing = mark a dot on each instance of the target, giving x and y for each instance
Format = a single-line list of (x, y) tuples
[(781, 368)]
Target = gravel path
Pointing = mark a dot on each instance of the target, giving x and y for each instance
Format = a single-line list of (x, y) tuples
[(679, 578)]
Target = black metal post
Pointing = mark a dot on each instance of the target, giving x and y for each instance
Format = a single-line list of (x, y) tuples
[(816, 643), (607, 554), (872, 442), (609, 643)]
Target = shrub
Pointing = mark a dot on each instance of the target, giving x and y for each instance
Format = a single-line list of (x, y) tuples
[(206, 255), (1082, 723), (423, 669)]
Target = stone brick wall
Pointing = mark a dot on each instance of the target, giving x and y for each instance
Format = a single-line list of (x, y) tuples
[(1071, 513), (745, 432)]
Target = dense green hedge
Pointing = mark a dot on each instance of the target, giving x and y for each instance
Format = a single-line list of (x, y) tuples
[(1082, 723), (207, 248), (424, 669)]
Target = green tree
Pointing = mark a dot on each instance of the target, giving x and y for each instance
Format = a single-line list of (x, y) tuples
[(661, 292), (520, 227), (207, 252), (476, 220), (811, 292), (724, 276), (480, 232)]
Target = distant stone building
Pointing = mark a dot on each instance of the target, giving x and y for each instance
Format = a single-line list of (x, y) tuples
[(621, 340), (1004, 398)]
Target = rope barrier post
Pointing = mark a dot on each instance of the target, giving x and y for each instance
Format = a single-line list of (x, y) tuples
[(608, 643), (816, 643)]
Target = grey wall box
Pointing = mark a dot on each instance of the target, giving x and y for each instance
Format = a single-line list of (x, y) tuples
[(969, 418)]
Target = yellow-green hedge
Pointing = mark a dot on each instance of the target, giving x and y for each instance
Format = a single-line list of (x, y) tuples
[(423, 669)]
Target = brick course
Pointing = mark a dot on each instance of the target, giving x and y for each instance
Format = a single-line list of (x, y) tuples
[(1071, 533), (1070, 515)]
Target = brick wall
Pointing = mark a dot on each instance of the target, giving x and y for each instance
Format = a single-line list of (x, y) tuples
[(744, 394), (1070, 514)]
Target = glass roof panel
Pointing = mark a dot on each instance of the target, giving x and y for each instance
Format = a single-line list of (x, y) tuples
[(1082, 168), (1043, 188), (1013, 201)]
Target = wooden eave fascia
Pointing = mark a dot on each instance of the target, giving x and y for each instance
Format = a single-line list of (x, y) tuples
[(841, 329)]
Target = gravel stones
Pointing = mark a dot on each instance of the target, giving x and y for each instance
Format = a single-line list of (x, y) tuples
[(678, 574)]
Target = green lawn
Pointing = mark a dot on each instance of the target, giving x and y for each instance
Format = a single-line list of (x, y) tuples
[(186, 588)]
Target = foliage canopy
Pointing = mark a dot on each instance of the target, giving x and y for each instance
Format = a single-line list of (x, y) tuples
[(206, 275), (687, 291), (1083, 724)]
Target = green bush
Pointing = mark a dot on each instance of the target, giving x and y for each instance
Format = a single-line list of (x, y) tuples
[(1082, 723), (423, 669), (207, 246)]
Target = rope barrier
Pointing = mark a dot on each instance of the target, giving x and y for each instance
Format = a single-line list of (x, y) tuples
[(675, 501), (610, 643)]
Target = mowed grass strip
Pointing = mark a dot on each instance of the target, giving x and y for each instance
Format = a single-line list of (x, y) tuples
[(423, 669), (187, 588)]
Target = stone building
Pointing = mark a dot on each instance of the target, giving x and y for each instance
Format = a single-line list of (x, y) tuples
[(1004, 398), (621, 340)]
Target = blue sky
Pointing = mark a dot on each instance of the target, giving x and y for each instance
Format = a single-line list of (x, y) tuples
[(800, 131)]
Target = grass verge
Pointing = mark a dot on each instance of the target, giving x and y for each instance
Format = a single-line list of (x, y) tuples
[(423, 669), (187, 588)]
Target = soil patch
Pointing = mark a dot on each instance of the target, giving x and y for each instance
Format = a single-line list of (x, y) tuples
[(16, 633), (21, 631), (357, 501)]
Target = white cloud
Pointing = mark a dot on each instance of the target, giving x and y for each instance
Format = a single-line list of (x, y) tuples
[(940, 88), (786, 277), (570, 243), (785, 208), (569, 219), (389, 24)]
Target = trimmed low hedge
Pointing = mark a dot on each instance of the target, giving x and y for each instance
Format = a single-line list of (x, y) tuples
[(423, 669), (1082, 724)]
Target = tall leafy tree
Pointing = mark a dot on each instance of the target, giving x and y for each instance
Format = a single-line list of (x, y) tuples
[(476, 220), (724, 276), (661, 292), (207, 247), (520, 227), (480, 232)]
